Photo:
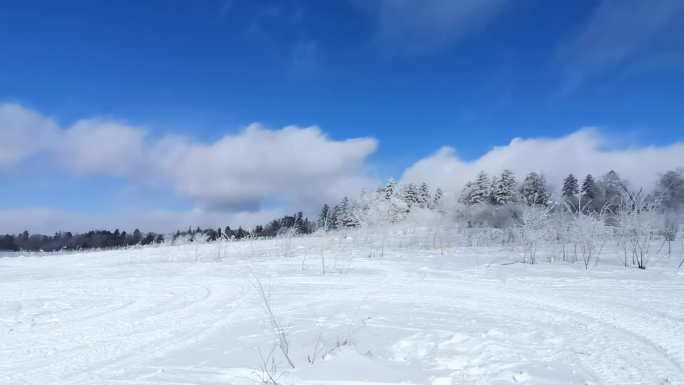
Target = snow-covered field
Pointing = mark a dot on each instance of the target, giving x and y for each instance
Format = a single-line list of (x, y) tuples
[(390, 309)]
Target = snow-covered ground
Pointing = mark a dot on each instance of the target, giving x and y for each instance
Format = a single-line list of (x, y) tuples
[(390, 309)]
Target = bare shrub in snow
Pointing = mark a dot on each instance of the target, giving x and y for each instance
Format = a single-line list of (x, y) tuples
[(269, 368), (589, 234), (328, 339), (534, 229), (279, 331), (637, 220), (670, 229)]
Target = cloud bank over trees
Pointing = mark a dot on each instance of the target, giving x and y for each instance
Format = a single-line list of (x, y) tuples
[(237, 172), (237, 178), (580, 153)]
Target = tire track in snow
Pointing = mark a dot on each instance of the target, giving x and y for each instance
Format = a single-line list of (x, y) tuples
[(138, 332), (596, 323), (656, 330), (603, 340)]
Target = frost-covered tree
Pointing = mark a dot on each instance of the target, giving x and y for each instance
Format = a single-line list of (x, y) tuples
[(482, 189), (390, 189), (334, 218), (570, 187), (345, 214), (670, 188), (240, 233), (377, 208), (323, 218), (424, 196), (588, 186), (636, 217), (466, 194), (437, 201), (386, 205), (350, 218), (299, 223), (612, 191), (534, 190), (395, 209), (591, 198), (409, 194), (342, 213), (504, 189)]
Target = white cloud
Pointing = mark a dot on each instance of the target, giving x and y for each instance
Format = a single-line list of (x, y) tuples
[(300, 166), (90, 146), (580, 153), (23, 133), (94, 146), (416, 27), (622, 33), (258, 164)]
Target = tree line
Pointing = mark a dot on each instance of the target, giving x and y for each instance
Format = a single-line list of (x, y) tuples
[(104, 239), (495, 201), (592, 194), (70, 241), (389, 204), (499, 200)]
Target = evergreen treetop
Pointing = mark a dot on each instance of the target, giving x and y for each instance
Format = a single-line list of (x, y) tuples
[(570, 187)]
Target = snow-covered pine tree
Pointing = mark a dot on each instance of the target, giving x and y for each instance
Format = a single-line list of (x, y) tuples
[(466, 194), (299, 223), (351, 218), (527, 188), (670, 188), (334, 218), (323, 218), (533, 190), (396, 207), (342, 214), (504, 190), (588, 186), (377, 209), (424, 196), (543, 190), (570, 187), (240, 233), (612, 188), (389, 190), (482, 189), (377, 195), (410, 195)]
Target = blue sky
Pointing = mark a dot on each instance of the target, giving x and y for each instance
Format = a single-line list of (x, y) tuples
[(412, 75)]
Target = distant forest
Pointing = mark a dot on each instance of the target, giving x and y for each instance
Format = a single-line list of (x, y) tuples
[(495, 201), (104, 239)]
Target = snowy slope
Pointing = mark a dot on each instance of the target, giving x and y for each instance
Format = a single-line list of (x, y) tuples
[(390, 309)]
